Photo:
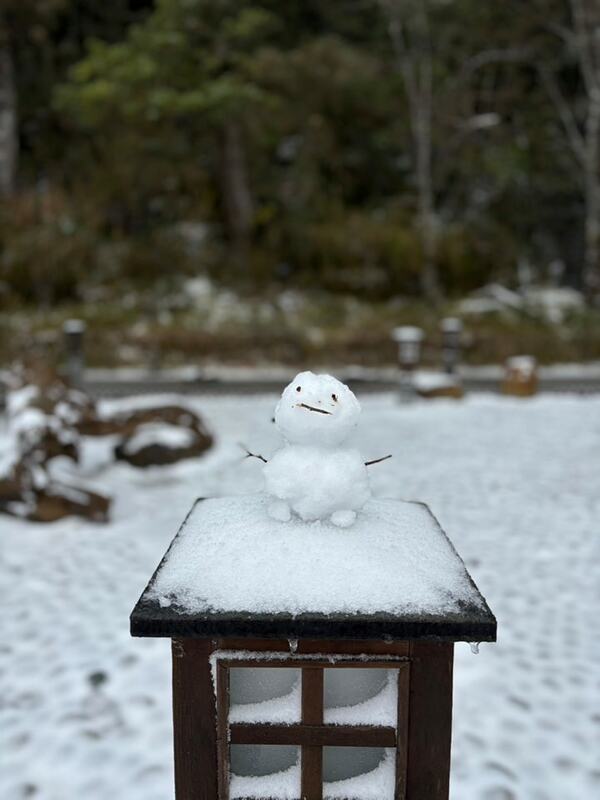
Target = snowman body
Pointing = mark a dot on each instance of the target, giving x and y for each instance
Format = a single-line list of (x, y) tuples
[(313, 475)]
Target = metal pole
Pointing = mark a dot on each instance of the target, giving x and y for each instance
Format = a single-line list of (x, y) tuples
[(409, 339), (2, 397), (452, 329), (74, 333)]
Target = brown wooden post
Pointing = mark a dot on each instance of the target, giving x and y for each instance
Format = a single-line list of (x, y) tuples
[(402, 731), (429, 721), (194, 720), (312, 713), (223, 687)]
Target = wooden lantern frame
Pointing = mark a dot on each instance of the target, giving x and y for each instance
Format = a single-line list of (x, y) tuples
[(203, 733), (207, 644)]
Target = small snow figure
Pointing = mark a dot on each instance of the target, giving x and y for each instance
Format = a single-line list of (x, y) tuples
[(313, 475)]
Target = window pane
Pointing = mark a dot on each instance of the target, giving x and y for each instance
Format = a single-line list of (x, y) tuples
[(347, 686), (264, 771), (256, 684), (346, 762), (361, 696), (278, 692), (358, 773)]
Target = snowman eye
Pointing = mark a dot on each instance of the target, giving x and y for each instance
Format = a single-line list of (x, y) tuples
[(298, 388), (334, 398)]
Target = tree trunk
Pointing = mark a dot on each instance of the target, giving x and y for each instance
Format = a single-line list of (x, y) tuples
[(410, 36), (591, 268), (8, 122), (237, 198), (425, 206)]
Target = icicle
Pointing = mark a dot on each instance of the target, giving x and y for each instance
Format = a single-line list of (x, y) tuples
[(474, 647)]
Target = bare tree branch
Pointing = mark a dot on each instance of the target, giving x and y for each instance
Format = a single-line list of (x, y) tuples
[(509, 55), (397, 36), (9, 144), (584, 34), (566, 115), (377, 460), (410, 36), (563, 33), (252, 455)]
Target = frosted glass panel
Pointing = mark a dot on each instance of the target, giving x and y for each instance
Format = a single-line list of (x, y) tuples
[(378, 782), (340, 763), (380, 709), (262, 759), (264, 772), (286, 709), (256, 684), (349, 686)]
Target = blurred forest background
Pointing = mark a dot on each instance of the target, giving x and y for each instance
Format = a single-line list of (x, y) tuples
[(279, 180)]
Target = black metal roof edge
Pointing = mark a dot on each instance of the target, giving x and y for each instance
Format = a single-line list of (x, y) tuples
[(149, 621), (401, 632)]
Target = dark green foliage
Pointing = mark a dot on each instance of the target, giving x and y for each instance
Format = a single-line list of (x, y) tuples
[(284, 129)]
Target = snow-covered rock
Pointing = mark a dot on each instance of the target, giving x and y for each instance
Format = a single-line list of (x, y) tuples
[(553, 302), (492, 298), (158, 436)]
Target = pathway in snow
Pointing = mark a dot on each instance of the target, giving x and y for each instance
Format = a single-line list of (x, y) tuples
[(84, 709)]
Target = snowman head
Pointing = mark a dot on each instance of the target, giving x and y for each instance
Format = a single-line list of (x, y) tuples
[(316, 409)]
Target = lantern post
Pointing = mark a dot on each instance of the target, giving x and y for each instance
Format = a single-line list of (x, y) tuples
[(286, 688), (74, 335), (409, 339), (452, 331)]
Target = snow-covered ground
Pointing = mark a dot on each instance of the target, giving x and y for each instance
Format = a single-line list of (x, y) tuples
[(85, 709)]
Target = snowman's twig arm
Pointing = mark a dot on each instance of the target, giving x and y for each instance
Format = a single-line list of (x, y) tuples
[(253, 455), (377, 460)]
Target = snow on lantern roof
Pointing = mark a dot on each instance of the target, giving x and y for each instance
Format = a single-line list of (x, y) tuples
[(233, 571)]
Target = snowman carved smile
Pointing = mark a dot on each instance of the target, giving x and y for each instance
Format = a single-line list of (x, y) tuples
[(312, 408)]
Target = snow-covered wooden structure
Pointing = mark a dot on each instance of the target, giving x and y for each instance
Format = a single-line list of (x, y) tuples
[(312, 662)]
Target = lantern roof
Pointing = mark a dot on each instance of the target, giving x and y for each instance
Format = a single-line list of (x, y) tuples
[(231, 571)]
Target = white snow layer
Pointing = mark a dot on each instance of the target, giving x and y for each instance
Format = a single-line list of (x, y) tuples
[(316, 410), (317, 482), (524, 364), (311, 474), (151, 433), (381, 709), (19, 399), (285, 709), (428, 380), (352, 697), (231, 556), (284, 785), (378, 784), (515, 484)]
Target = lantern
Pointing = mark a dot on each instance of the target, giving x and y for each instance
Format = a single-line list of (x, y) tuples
[(308, 661), (74, 333), (451, 328), (409, 340)]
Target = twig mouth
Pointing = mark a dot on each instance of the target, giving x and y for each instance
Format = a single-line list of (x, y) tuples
[(312, 408)]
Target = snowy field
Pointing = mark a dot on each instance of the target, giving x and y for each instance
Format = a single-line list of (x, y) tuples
[(85, 709)]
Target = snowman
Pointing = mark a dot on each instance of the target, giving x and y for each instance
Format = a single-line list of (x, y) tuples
[(314, 475)]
